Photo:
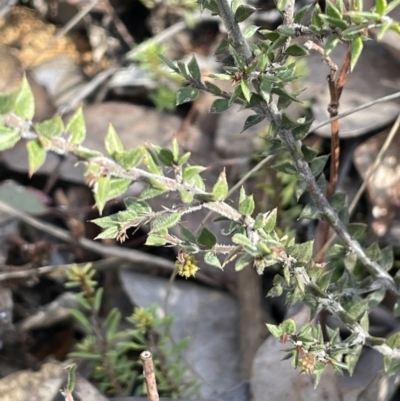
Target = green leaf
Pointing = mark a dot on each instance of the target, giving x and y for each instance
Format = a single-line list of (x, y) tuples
[(350, 261), (206, 238), (220, 189), (105, 222), (357, 309), (190, 171), (332, 11), (335, 22), (276, 331), (245, 89), (252, 120), (297, 51), (164, 155), (288, 326), (324, 280), (219, 106), (309, 153), (211, 259), (310, 212), (246, 207), (185, 95), (381, 6), (169, 63), (318, 164), (214, 89), (102, 190), (8, 137), (386, 260), (150, 162), (50, 128), (186, 196), (300, 14), (24, 105), (77, 127), (165, 221), (301, 131), (7, 101), (330, 44), (129, 158), (265, 89), (301, 252), (250, 30), (155, 239), (194, 69), (113, 142), (356, 230), (188, 235), (118, 186), (270, 220), (243, 12), (286, 167), (108, 233), (36, 155), (394, 340), (356, 49), (338, 201), (81, 319), (241, 239)]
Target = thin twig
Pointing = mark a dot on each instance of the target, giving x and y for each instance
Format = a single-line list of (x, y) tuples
[(127, 254), (149, 376), (358, 108), (370, 173)]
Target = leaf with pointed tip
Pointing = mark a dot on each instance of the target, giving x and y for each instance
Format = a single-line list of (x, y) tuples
[(169, 63), (165, 221), (211, 259), (108, 233), (301, 252), (113, 142), (243, 12), (220, 188), (250, 30), (357, 45), (252, 120), (102, 191), (190, 171), (243, 261), (214, 89), (318, 164), (286, 167), (276, 331), (51, 127), (185, 95), (8, 137), (297, 51), (118, 186), (129, 158), (310, 212), (24, 105), (270, 220), (150, 162), (188, 235), (155, 239), (206, 238), (76, 127), (246, 207), (36, 155), (219, 106), (194, 69)]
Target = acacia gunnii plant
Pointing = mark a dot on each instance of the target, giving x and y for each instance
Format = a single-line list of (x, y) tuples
[(257, 62)]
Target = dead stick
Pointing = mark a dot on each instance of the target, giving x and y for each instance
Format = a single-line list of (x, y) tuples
[(149, 376)]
